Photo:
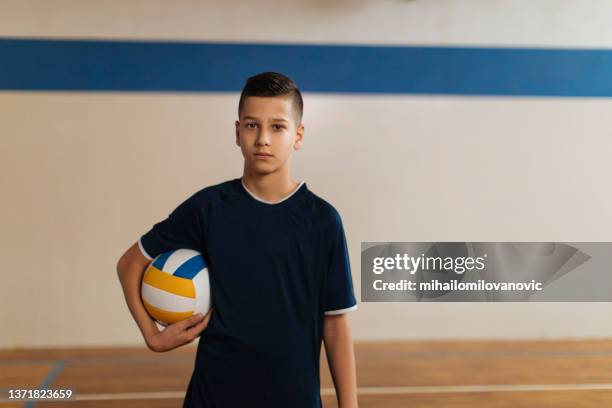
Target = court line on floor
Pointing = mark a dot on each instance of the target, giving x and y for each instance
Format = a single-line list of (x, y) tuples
[(55, 371), (152, 359), (441, 389), (444, 389)]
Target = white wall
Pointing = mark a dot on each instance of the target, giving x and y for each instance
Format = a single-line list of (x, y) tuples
[(80, 172)]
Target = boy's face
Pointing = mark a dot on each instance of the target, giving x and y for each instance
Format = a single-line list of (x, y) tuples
[(268, 125)]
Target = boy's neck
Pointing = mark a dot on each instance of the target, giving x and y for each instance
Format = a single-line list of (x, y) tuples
[(270, 187)]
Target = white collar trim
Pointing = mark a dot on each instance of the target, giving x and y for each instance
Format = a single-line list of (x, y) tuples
[(271, 202)]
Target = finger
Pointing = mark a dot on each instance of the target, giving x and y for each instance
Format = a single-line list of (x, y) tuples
[(198, 328), (191, 320), (201, 316), (193, 332), (205, 321)]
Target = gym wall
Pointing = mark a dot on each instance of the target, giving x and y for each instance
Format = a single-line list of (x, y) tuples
[(85, 173)]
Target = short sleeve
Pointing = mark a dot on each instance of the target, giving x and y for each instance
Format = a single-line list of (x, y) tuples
[(183, 228), (339, 294)]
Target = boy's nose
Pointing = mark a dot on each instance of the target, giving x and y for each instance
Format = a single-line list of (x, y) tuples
[(263, 139)]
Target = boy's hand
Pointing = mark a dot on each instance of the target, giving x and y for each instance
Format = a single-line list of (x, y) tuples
[(179, 333)]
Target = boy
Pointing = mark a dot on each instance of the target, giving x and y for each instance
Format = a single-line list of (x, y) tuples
[(279, 271)]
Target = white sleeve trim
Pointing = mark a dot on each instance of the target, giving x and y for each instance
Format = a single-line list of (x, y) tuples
[(146, 255), (340, 311)]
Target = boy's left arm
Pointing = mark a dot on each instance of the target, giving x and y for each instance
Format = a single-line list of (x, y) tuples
[(341, 358)]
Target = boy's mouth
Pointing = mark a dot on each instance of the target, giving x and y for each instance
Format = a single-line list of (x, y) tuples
[(263, 155)]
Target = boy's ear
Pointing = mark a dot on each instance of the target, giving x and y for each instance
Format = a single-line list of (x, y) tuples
[(299, 136), (237, 124)]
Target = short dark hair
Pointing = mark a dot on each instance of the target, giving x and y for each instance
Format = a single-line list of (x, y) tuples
[(272, 84)]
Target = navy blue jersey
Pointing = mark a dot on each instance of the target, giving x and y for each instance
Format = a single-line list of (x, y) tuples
[(276, 269)]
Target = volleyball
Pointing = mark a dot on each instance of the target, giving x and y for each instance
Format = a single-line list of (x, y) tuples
[(176, 285)]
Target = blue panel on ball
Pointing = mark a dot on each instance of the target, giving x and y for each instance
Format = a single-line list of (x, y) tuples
[(190, 268), (160, 261)]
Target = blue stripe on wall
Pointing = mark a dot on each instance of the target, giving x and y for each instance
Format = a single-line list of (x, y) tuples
[(87, 65)]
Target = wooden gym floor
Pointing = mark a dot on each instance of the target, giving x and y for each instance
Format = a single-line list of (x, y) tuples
[(556, 374)]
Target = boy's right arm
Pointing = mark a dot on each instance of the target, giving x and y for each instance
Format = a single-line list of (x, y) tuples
[(130, 269)]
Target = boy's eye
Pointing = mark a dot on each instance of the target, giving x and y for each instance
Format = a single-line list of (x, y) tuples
[(277, 127), (251, 125)]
